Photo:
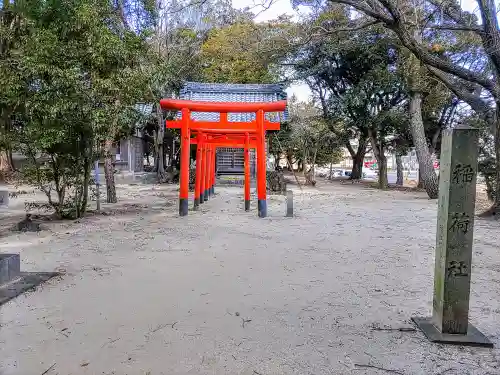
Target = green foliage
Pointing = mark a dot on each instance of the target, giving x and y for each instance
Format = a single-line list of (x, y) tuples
[(244, 52), (230, 56), (311, 139), (77, 74), (275, 182)]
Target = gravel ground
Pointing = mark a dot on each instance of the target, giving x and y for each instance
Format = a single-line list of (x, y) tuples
[(223, 292)]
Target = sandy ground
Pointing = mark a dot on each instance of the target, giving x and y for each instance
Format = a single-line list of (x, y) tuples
[(223, 292)]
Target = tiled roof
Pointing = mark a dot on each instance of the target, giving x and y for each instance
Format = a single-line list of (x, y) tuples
[(224, 92)]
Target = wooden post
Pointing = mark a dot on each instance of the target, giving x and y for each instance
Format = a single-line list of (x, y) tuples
[(214, 153), (184, 178), (197, 185), (211, 169), (261, 165), (207, 172), (203, 170), (247, 172), (209, 176), (455, 226)]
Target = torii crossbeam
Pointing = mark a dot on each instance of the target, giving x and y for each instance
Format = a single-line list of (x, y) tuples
[(223, 133)]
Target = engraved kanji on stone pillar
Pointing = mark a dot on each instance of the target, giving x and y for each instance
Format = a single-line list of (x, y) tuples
[(455, 223)]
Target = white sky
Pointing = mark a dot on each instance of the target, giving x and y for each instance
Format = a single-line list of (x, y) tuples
[(280, 7)]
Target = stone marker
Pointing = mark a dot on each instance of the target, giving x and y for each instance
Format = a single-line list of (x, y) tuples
[(4, 198), (10, 267), (289, 203), (13, 282), (455, 223)]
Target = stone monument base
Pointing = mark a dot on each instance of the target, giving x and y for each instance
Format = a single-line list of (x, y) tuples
[(13, 282), (472, 338)]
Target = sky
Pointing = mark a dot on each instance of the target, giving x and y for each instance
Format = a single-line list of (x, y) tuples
[(280, 7)]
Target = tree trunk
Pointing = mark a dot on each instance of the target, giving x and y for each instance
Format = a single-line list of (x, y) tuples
[(383, 182), (312, 172), (399, 169), (378, 151), (6, 165), (420, 182), (171, 155), (357, 167), (289, 158), (496, 204), (494, 210), (305, 167), (87, 165), (305, 164), (109, 172), (426, 168), (358, 159), (277, 159), (159, 151), (155, 150)]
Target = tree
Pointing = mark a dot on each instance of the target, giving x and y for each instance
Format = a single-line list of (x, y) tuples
[(379, 99), (12, 28), (78, 91), (335, 68), (53, 128), (281, 143), (176, 48), (422, 26), (310, 137), (245, 52), (118, 83)]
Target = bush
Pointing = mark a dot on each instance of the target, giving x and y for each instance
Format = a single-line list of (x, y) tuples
[(65, 180), (276, 181)]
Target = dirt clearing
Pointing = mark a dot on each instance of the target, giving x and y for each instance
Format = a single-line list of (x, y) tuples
[(221, 291)]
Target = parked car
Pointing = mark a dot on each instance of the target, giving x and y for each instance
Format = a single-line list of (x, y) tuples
[(370, 173)]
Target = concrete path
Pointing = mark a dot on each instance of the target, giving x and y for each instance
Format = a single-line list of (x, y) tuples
[(223, 292)]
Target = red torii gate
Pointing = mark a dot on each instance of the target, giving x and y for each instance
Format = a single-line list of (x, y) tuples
[(223, 133)]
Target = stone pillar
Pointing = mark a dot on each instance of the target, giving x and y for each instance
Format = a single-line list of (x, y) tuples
[(289, 203), (138, 159), (455, 223)]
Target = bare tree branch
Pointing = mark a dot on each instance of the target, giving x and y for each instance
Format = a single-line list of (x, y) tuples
[(347, 29), (184, 7), (491, 37), (368, 10), (479, 105), (474, 29), (264, 5), (395, 24)]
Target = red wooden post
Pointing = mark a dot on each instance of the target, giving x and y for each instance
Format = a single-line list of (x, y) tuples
[(203, 169), (207, 171), (209, 177), (261, 165), (184, 178), (214, 176), (247, 172), (198, 172)]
